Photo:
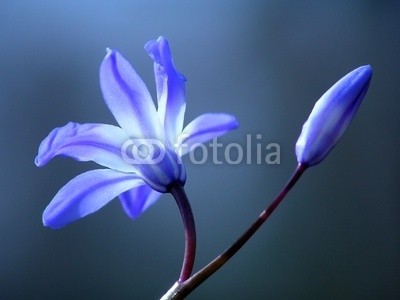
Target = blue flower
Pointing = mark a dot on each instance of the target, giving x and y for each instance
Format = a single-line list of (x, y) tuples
[(143, 156), (331, 116)]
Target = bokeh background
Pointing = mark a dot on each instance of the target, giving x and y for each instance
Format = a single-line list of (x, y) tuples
[(336, 236)]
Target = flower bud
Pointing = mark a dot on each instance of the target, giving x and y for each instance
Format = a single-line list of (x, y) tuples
[(331, 115)]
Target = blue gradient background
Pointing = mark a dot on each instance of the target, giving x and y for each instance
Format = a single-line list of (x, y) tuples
[(336, 236)]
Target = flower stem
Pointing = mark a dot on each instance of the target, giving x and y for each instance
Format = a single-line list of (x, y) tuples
[(181, 290), (190, 230)]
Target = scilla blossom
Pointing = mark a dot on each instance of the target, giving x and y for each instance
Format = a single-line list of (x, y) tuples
[(138, 185)]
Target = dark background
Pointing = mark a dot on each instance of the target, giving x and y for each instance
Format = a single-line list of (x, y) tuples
[(336, 236)]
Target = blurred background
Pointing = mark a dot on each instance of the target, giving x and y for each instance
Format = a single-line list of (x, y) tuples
[(337, 234)]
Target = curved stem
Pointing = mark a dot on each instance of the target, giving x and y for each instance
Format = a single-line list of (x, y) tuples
[(180, 290), (190, 230)]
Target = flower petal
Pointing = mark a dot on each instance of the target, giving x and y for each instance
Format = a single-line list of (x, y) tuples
[(170, 88), (137, 200), (128, 98), (86, 194), (86, 142), (203, 129)]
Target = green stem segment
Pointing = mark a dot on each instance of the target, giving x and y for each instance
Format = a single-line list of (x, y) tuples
[(190, 230), (181, 289)]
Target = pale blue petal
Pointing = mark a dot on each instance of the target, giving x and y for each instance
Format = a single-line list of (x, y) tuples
[(128, 98), (170, 88), (86, 142), (85, 194), (203, 129), (137, 200)]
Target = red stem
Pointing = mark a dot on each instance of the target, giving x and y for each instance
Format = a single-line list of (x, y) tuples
[(190, 230), (185, 288)]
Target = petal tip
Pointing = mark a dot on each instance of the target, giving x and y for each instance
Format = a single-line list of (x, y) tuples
[(159, 51), (230, 120), (368, 70), (367, 67), (110, 54), (108, 51), (47, 222), (363, 72), (161, 38), (150, 45), (235, 123), (38, 162)]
